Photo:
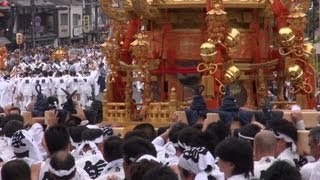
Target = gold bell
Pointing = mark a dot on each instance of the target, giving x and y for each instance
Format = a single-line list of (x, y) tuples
[(233, 37), (309, 52), (287, 37), (231, 74), (294, 74), (208, 51)]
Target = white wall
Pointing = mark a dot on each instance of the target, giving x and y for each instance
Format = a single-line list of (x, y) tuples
[(64, 29), (76, 31)]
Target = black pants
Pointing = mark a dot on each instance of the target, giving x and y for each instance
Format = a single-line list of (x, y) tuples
[(102, 83)]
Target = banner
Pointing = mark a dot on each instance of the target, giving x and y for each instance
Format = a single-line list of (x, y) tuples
[(86, 23)]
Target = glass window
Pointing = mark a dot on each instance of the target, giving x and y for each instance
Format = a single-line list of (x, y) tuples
[(75, 19), (64, 19)]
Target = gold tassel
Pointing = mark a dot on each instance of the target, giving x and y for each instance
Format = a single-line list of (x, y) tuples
[(204, 82), (210, 86)]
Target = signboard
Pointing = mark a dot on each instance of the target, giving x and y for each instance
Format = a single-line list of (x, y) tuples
[(77, 31), (19, 38), (86, 23)]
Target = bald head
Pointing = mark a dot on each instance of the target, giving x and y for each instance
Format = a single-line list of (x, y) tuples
[(265, 143)]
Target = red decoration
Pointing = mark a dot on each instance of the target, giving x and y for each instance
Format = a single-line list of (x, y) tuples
[(4, 3)]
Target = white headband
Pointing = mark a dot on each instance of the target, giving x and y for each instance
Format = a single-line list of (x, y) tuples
[(147, 157), (183, 145), (98, 140), (74, 144), (287, 139), (61, 173), (245, 137), (175, 144)]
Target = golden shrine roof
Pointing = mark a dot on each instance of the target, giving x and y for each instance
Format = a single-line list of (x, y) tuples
[(202, 3)]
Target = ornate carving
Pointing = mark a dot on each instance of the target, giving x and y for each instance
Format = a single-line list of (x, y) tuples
[(145, 10), (3, 56), (116, 10)]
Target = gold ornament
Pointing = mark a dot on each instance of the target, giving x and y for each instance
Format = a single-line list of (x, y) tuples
[(309, 54), (3, 56), (231, 74), (217, 20), (140, 48), (287, 37), (59, 54), (233, 38), (208, 51), (295, 74)]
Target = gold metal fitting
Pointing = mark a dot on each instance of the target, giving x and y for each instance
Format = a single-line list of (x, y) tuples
[(233, 37), (295, 74), (287, 37), (208, 51), (231, 74)]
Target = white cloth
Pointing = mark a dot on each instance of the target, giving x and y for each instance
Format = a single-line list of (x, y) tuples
[(44, 172), (113, 168), (36, 131), (22, 141), (262, 165), (237, 177), (93, 165), (147, 157), (315, 173), (197, 160), (306, 170), (167, 155), (78, 153), (289, 156), (6, 152)]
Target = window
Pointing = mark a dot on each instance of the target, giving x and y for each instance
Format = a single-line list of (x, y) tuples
[(64, 19), (76, 20)]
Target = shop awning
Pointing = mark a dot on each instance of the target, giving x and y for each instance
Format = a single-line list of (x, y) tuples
[(4, 40)]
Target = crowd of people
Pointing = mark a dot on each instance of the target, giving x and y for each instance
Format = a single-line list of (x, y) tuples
[(84, 72), (75, 144)]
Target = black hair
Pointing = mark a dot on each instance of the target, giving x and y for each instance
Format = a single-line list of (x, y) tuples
[(208, 140), (188, 136), (136, 133), (10, 117), (75, 133), (285, 127), (281, 170), (57, 138), (249, 130), (220, 129), (97, 106), (175, 130), (9, 170), (139, 169), (91, 134), (148, 129), (197, 126), (112, 148), (161, 130), (62, 161), (11, 127), (160, 173), (238, 152), (15, 109), (73, 121), (135, 147), (90, 116), (314, 135)]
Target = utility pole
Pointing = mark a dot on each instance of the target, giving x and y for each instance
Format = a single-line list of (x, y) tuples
[(32, 6)]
